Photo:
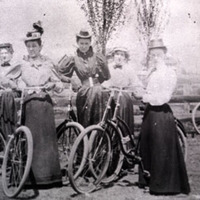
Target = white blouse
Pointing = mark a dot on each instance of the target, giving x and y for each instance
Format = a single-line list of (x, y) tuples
[(39, 72), (160, 87), (121, 77)]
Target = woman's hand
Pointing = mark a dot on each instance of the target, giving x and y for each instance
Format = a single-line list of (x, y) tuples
[(8, 84), (49, 86), (138, 92)]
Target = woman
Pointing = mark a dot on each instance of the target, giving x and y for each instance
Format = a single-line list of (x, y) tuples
[(37, 71), (91, 68), (160, 149), (123, 76), (9, 74)]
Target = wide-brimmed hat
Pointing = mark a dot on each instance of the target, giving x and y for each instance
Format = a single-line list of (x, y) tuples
[(124, 49), (7, 46), (36, 33), (84, 34), (157, 44)]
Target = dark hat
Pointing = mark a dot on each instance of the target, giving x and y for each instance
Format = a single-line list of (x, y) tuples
[(84, 34), (157, 44), (7, 46), (36, 33), (125, 50)]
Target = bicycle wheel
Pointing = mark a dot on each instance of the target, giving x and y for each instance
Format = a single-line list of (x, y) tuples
[(116, 157), (2, 147), (182, 141), (85, 166), (17, 161), (196, 118), (67, 135)]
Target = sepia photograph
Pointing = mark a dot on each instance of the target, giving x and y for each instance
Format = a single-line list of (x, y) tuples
[(100, 99)]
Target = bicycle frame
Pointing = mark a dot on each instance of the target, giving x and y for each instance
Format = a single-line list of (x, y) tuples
[(71, 116), (118, 124)]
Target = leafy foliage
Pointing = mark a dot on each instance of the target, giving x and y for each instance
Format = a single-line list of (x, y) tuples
[(152, 18)]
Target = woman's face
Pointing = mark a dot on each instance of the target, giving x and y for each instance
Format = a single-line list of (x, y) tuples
[(33, 48), (84, 44), (157, 56), (119, 57), (5, 55)]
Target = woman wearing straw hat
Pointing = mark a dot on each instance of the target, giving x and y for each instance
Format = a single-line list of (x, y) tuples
[(159, 147), (123, 76), (37, 71), (91, 68)]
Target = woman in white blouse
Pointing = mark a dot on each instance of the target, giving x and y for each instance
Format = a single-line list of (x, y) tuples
[(160, 149), (122, 76)]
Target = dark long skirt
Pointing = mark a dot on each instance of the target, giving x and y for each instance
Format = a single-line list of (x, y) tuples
[(91, 103), (126, 111), (161, 152), (8, 113), (39, 118)]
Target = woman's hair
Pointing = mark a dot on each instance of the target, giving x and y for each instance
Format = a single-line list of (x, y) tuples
[(126, 54)]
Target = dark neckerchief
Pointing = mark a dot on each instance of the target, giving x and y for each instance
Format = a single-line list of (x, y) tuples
[(85, 55), (117, 66), (6, 64)]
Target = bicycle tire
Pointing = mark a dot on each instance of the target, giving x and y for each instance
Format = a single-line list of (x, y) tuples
[(2, 147), (117, 157), (66, 137), (17, 161), (196, 118), (83, 180), (182, 141)]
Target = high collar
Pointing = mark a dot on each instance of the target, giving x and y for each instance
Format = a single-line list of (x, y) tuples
[(117, 66), (30, 59), (85, 55)]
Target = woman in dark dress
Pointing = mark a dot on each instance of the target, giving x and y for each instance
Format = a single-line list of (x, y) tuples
[(9, 74), (37, 71), (91, 68), (160, 149)]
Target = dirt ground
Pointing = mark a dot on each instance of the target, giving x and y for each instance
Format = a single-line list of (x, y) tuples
[(125, 188)]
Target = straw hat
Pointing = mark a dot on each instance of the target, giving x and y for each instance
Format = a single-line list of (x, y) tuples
[(7, 46), (123, 49)]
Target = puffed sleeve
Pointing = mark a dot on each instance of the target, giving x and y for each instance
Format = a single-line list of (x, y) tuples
[(66, 66), (102, 68), (55, 79), (54, 76)]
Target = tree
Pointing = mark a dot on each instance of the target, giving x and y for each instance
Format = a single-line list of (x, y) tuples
[(103, 17), (152, 18)]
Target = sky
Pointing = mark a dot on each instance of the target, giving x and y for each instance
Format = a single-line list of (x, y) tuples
[(62, 19)]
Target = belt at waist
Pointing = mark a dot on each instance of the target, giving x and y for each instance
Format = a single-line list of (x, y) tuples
[(90, 82)]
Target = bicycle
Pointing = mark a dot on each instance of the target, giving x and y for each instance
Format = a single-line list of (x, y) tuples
[(115, 131), (67, 131), (196, 118), (18, 157), (3, 137), (2, 147)]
